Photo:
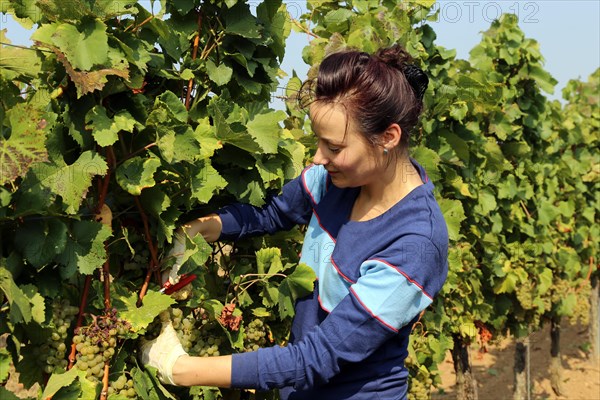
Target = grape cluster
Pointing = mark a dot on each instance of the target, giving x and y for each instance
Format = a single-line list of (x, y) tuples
[(140, 258), (207, 345), (96, 343), (184, 326), (51, 354), (419, 390), (256, 335), (122, 387)]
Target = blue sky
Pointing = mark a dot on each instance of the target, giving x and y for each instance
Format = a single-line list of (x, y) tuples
[(568, 32)]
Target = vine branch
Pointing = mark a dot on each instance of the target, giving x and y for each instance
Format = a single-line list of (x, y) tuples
[(153, 253), (188, 95)]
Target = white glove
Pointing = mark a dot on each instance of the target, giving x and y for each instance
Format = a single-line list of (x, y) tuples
[(177, 251), (162, 352)]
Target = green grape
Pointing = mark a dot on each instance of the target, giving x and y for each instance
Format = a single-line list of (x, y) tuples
[(256, 335), (52, 352)]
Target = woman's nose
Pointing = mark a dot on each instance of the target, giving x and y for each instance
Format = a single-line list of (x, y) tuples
[(319, 158)]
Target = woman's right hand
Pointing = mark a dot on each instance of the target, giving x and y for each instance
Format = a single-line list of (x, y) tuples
[(210, 229)]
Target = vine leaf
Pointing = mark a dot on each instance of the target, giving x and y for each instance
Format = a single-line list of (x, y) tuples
[(84, 251), (26, 144), (20, 307), (87, 81), (71, 182), (41, 241), (139, 318), (220, 75), (5, 360), (454, 214), (137, 173), (105, 129), (298, 284), (59, 381), (265, 130), (38, 307), (205, 182), (17, 63)]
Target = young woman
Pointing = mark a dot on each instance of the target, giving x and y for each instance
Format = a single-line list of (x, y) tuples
[(376, 240)]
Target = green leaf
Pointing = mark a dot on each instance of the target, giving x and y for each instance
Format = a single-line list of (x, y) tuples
[(26, 144), (239, 21), (205, 135), (205, 182), (137, 173), (38, 307), (224, 131), (71, 182), (104, 129), (265, 130), (547, 212), (487, 202), (17, 63), (139, 318), (264, 258), (85, 45), (458, 110), (298, 284), (171, 103), (454, 214), (6, 395), (5, 361), (41, 241), (567, 304), (220, 75), (545, 283), (542, 78), (430, 160), (460, 147), (58, 381), (20, 308), (84, 251)]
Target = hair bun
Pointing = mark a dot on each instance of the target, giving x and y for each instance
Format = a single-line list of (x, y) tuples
[(397, 57), (417, 78)]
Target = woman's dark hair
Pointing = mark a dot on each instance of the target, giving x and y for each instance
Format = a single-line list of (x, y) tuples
[(376, 90)]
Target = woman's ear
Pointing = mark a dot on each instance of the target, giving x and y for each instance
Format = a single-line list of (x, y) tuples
[(391, 137)]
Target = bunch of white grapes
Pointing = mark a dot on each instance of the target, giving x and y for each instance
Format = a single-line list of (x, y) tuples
[(97, 342), (122, 387), (184, 326), (51, 354), (256, 335)]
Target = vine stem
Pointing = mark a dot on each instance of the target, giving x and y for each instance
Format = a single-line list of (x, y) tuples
[(106, 279), (82, 303), (248, 284), (154, 261), (188, 95), (525, 208), (299, 25), (138, 151), (104, 393)]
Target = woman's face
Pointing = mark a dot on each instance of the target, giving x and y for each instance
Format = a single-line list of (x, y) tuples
[(350, 160)]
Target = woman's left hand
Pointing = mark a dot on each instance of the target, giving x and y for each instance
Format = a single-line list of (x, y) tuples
[(162, 352)]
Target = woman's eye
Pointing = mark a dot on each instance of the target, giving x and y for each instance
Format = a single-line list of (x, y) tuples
[(334, 149)]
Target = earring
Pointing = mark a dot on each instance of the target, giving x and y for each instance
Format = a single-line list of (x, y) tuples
[(385, 151)]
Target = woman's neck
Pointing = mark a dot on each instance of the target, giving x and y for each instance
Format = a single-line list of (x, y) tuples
[(379, 196)]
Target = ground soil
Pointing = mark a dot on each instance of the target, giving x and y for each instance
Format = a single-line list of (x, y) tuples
[(494, 370)]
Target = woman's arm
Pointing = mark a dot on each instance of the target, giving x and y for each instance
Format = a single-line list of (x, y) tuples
[(202, 371)]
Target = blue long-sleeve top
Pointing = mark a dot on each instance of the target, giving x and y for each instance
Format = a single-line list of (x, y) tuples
[(350, 336)]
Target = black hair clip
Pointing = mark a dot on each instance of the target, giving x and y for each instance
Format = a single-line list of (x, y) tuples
[(417, 79)]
